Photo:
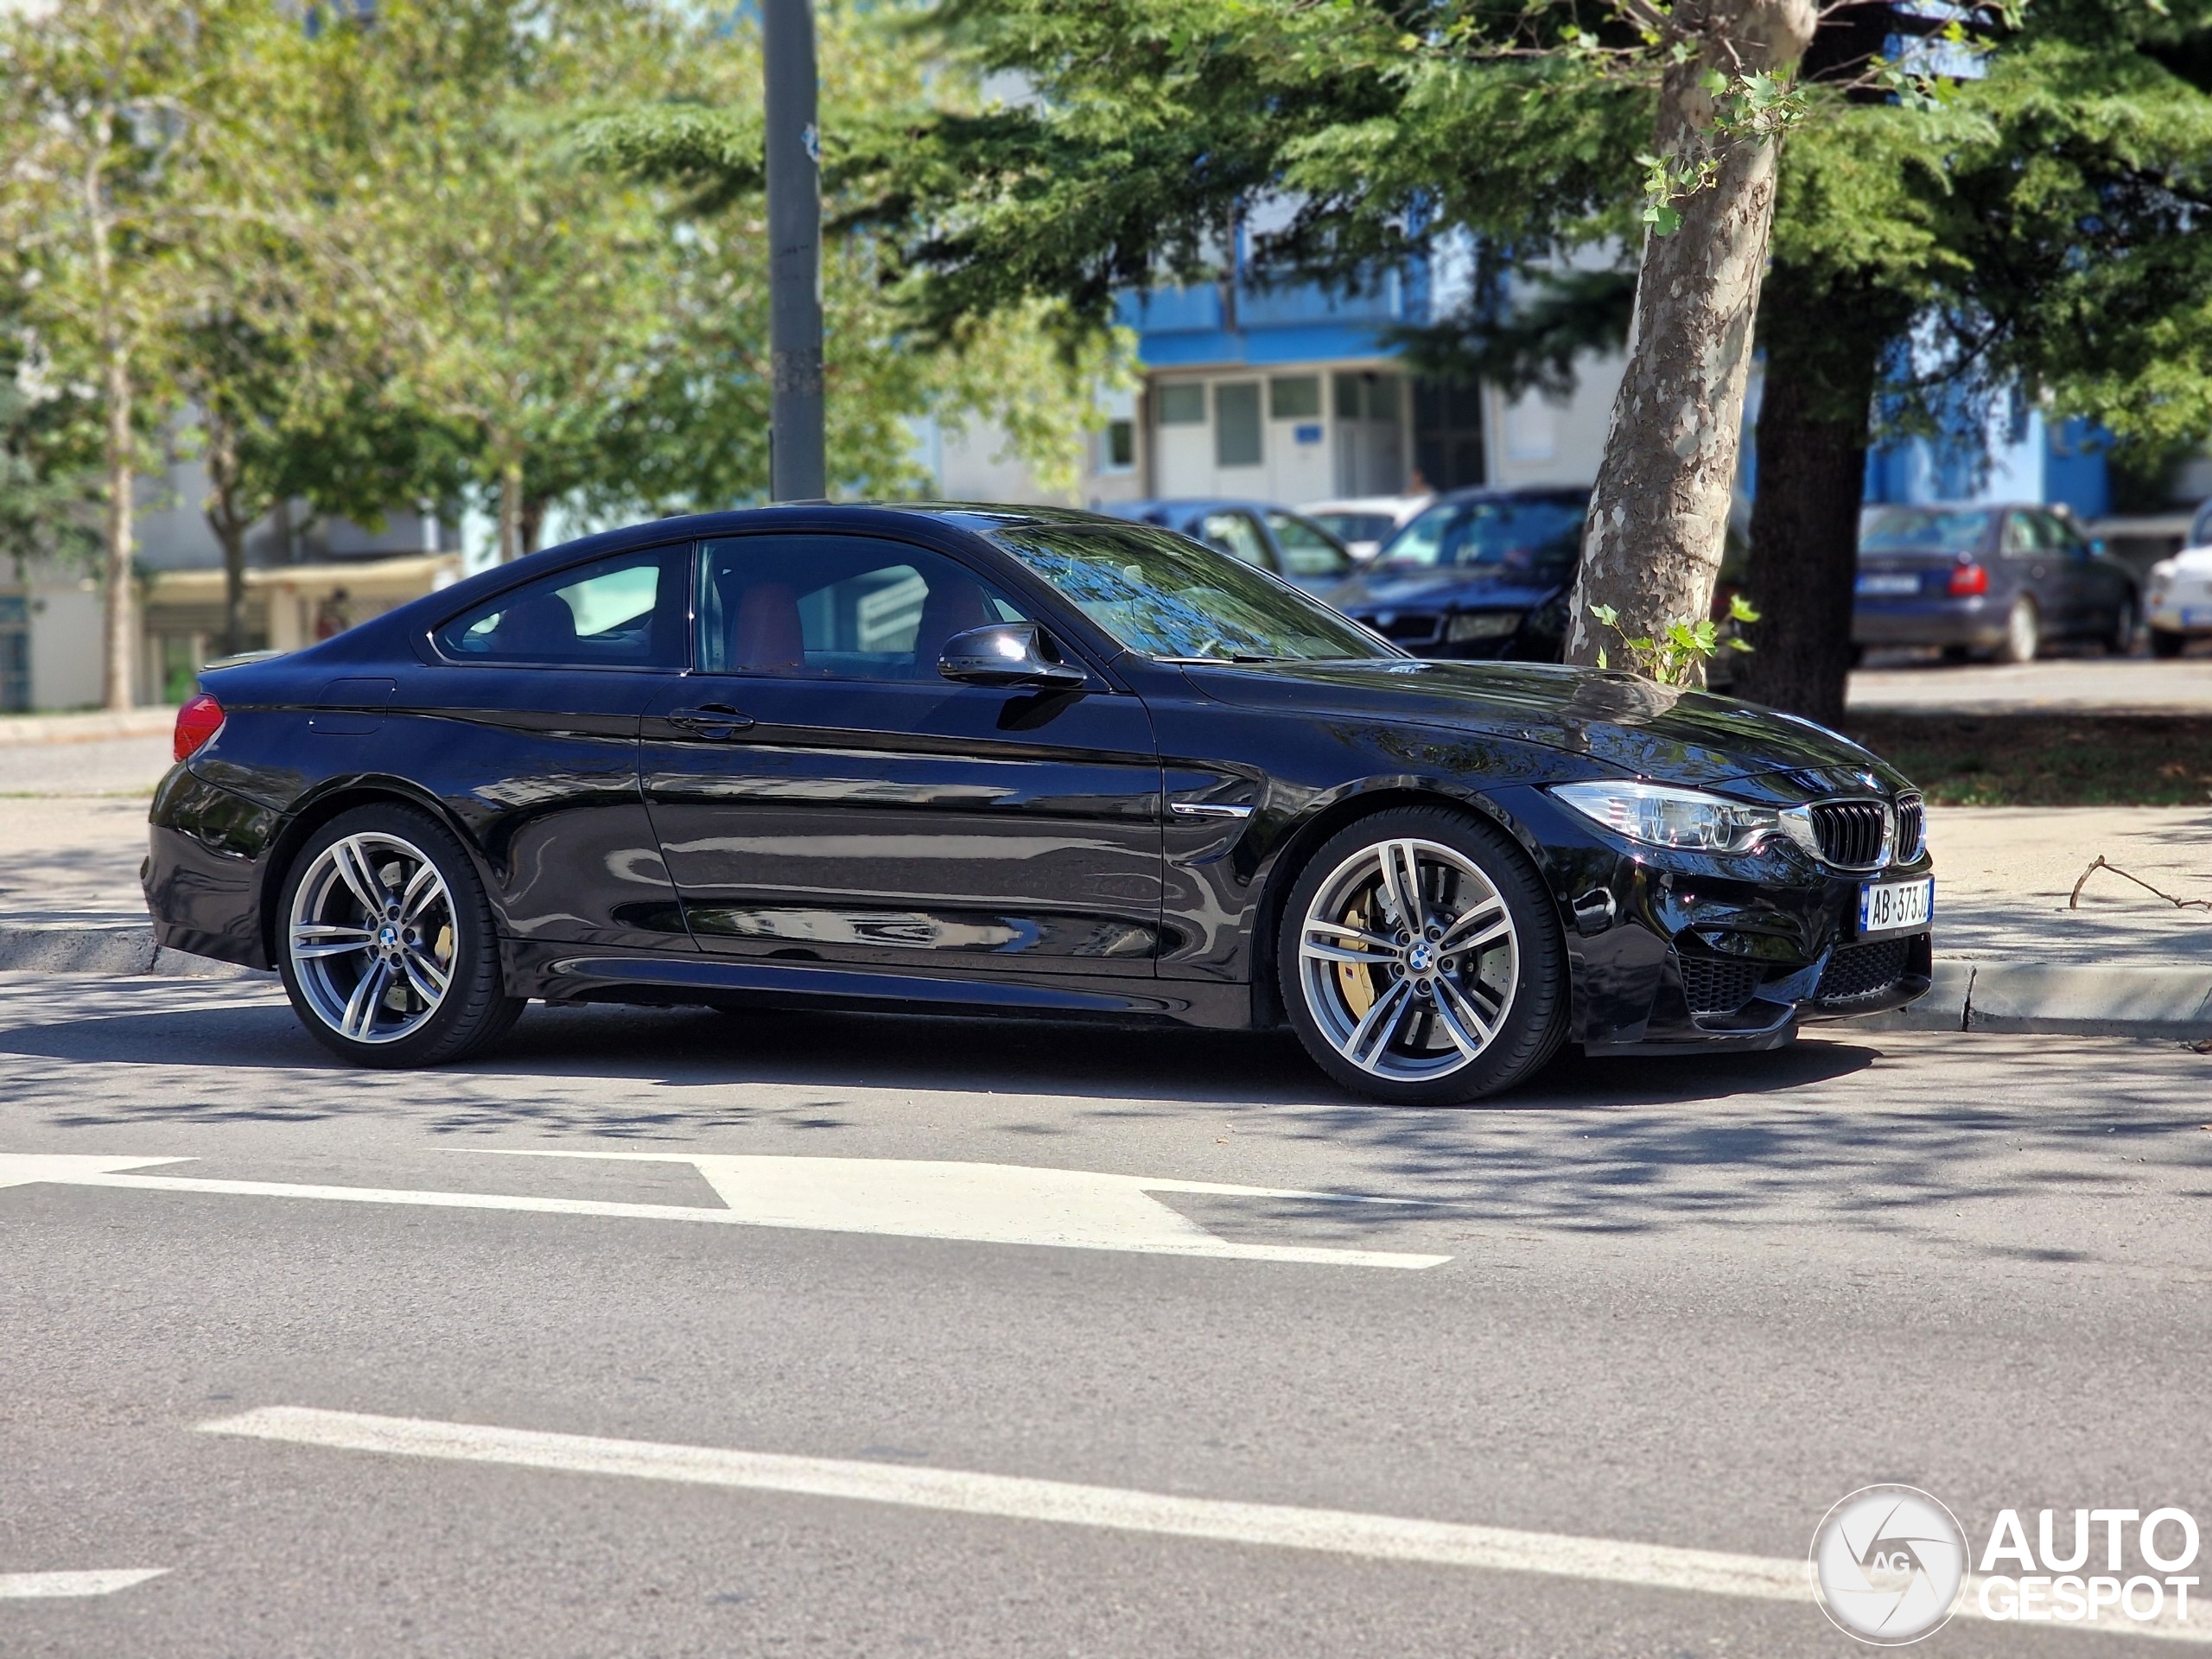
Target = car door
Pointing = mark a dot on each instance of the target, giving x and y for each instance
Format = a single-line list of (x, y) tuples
[(2034, 568), (524, 722), (821, 793), (2101, 585)]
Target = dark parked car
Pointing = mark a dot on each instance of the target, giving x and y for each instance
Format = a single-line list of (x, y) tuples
[(1016, 759), (1253, 533), (1482, 573), (2001, 581)]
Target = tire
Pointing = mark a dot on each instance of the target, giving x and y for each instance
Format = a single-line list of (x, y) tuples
[(2022, 632), (413, 979), (2122, 642), (1453, 1028), (2164, 644), (1858, 655)]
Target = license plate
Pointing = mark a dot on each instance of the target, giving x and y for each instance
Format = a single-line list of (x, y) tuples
[(1905, 584), (1895, 907)]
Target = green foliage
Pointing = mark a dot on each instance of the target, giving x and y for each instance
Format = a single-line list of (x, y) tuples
[(1677, 656)]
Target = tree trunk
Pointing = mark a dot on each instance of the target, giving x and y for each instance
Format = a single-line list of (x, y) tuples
[(1659, 512), (227, 520), (533, 524), (510, 510), (1823, 354), (118, 618)]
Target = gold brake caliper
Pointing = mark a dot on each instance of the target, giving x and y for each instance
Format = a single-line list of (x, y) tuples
[(1357, 982)]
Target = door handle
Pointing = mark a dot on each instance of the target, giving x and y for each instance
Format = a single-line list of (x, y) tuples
[(715, 722)]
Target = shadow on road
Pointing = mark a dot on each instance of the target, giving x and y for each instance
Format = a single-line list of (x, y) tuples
[(1834, 1127)]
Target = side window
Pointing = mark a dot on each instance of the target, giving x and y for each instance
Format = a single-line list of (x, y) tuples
[(2059, 537), (1306, 551), (625, 612), (1235, 535), (2020, 539), (846, 607)]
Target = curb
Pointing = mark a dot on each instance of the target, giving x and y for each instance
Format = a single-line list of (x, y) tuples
[(66, 948), (2060, 999)]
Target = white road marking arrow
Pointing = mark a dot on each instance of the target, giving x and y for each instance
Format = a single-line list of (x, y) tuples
[(26, 1585), (991, 1203)]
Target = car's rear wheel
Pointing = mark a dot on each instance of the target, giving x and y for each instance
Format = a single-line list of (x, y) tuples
[(2166, 643), (2022, 632), (387, 947), (1422, 960)]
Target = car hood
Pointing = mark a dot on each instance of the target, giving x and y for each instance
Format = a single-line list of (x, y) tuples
[(1617, 720), (1382, 588)]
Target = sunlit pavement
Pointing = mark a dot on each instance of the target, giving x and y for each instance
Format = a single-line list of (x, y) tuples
[(2088, 684), (1687, 1305)]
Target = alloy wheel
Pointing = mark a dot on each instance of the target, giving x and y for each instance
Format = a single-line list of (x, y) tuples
[(371, 937), (1408, 960)]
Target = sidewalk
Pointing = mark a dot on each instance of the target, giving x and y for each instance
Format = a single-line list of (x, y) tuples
[(2010, 955)]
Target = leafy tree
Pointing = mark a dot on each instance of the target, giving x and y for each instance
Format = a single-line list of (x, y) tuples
[(696, 434), (46, 492), (2043, 230), (516, 297), (1358, 132), (122, 139)]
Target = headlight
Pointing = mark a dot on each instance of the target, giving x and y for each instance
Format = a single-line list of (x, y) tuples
[(1482, 624), (1688, 820)]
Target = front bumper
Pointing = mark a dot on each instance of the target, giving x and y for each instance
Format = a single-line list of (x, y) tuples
[(1683, 953)]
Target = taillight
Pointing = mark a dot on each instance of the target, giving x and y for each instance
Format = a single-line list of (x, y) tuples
[(200, 719), (1968, 579)]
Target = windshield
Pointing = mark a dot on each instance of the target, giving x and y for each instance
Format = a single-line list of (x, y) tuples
[(1893, 530), (1162, 595), (1538, 537)]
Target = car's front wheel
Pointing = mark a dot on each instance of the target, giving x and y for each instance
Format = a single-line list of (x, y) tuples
[(386, 942), (2122, 642), (2168, 644), (1422, 960)]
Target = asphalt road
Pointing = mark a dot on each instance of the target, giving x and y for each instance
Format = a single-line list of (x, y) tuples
[(1686, 1304)]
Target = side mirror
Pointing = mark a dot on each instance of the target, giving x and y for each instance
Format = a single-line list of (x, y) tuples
[(1008, 653)]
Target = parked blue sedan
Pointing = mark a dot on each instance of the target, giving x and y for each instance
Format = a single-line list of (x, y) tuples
[(1994, 581), (1254, 533), (1481, 573)]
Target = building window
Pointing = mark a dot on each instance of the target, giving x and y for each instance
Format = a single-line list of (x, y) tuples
[(1236, 423), (1294, 397), (1117, 446), (1184, 405)]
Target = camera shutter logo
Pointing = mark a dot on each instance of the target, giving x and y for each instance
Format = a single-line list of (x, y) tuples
[(1889, 1564)]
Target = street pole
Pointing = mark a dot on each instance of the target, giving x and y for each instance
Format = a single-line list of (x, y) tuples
[(796, 470)]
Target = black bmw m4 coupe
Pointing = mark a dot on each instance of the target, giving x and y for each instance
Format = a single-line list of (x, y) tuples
[(1013, 760)]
